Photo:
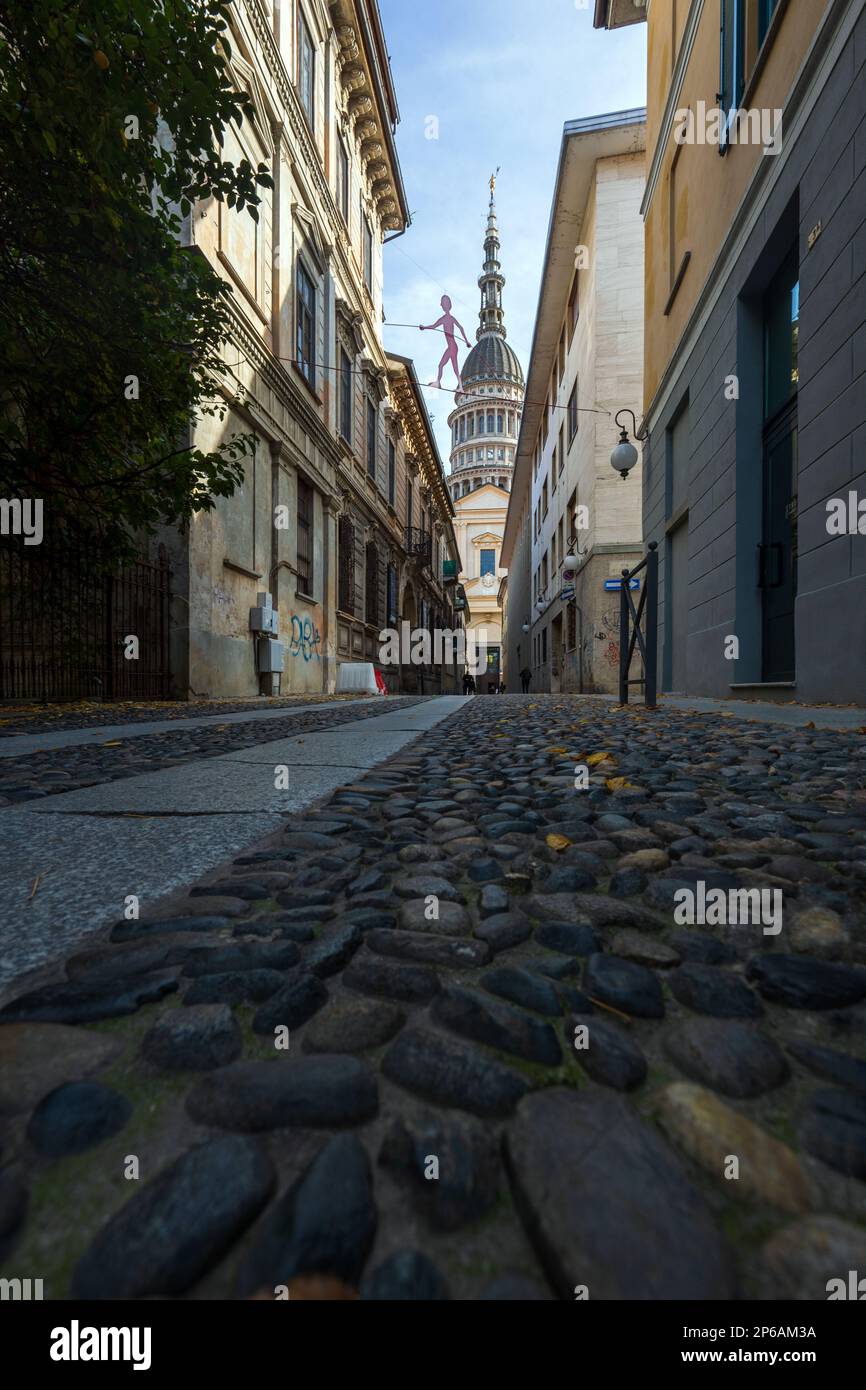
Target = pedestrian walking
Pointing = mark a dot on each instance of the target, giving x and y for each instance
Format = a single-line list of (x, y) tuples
[(525, 678)]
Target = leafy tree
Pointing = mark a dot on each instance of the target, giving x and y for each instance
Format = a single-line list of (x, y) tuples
[(112, 115)]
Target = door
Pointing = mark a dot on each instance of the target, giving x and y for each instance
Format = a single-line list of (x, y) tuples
[(777, 553), (556, 656), (777, 559), (677, 604)]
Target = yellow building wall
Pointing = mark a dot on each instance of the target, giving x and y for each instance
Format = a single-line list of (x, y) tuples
[(709, 187)]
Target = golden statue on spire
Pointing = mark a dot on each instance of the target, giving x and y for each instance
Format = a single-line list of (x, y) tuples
[(493, 180)]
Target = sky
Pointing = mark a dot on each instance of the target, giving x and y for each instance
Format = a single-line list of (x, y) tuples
[(501, 77)]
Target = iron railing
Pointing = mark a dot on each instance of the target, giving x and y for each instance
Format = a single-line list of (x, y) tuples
[(630, 633), (419, 545), (64, 627)]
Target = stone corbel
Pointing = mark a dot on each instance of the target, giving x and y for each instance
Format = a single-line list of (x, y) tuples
[(377, 377), (394, 421), (353, 77), (348, 40), (350, 320), (360, 105)]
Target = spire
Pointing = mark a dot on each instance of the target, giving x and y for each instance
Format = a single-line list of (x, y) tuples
[(491, 279)]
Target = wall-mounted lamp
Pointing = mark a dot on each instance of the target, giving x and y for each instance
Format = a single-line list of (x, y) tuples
[(625, 455)]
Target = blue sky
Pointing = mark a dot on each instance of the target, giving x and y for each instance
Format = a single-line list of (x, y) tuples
[(502, 77)]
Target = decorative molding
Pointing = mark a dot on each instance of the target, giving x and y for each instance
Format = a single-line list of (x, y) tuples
[(377, 378), (350, 322)]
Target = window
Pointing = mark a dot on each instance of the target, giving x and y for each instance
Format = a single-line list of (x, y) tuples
[(306, 325), (488, 562), (553, 470), (368, 254), (372, 437), (572, 414), (343, 179), (346, 569), (732, 59), (305, 537), (462, 430), (391, 591), (306, 71), (781, 337), (392, 473), (371, 588), (766, 9), (574, 306), (481, 422), (561, 447), (544, 502), (409, 502), (500, 422), (490, 424), (423, 520), (345, 396), (471, 426)]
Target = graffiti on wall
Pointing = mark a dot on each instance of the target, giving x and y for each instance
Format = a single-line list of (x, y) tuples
[(610, 624), (305, 640)]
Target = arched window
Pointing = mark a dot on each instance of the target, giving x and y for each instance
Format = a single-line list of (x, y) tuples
[(481, 422), (500, 422), (490, 424), (462, 429)]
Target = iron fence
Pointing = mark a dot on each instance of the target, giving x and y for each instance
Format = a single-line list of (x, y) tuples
[(65, 627), (630, 633)]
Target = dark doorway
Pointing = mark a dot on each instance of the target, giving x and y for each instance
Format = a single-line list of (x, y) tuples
[(777, 553), (678, 606)]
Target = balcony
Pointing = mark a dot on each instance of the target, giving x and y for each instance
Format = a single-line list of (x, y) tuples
[(419, 545)]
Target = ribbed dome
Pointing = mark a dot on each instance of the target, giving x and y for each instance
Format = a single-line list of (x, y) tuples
[(492, 359)]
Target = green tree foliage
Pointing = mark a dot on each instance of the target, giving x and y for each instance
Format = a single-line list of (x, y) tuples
[(112, 115)]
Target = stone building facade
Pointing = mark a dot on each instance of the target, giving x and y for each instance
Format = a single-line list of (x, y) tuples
[(321, 521), (573, 525)]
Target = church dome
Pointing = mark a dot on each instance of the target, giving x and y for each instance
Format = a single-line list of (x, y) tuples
[(492, 359)]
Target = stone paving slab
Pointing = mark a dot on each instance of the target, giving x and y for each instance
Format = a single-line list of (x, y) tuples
[(13, 745)]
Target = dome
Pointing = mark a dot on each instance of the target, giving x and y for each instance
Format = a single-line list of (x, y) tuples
[(492, 359)]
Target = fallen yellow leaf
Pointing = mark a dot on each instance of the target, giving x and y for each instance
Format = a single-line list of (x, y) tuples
[(558, 842), (616, 784), (595, 758), (557, 750), (115, 743)]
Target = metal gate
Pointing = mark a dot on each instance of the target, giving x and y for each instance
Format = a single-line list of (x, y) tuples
[(64, 628)]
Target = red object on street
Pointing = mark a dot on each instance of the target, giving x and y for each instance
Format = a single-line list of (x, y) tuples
[(380, 683)]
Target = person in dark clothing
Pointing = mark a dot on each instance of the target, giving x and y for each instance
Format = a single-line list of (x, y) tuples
[(525, 678)]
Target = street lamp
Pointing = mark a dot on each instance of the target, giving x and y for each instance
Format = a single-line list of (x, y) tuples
[(625, 455)]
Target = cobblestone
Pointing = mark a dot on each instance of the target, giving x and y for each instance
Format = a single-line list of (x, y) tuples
[(466, 956)]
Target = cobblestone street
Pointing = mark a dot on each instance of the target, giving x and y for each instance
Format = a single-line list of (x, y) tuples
[(448, 1032)]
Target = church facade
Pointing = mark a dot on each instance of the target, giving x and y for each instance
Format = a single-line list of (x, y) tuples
[(485, 424)]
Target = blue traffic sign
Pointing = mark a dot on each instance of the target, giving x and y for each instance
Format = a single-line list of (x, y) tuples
[(615, 585)]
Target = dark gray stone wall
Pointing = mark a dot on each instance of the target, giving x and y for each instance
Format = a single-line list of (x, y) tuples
[(824, 180)]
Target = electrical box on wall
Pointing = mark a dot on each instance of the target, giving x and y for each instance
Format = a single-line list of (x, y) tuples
[(265, 620), (270, 655)]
